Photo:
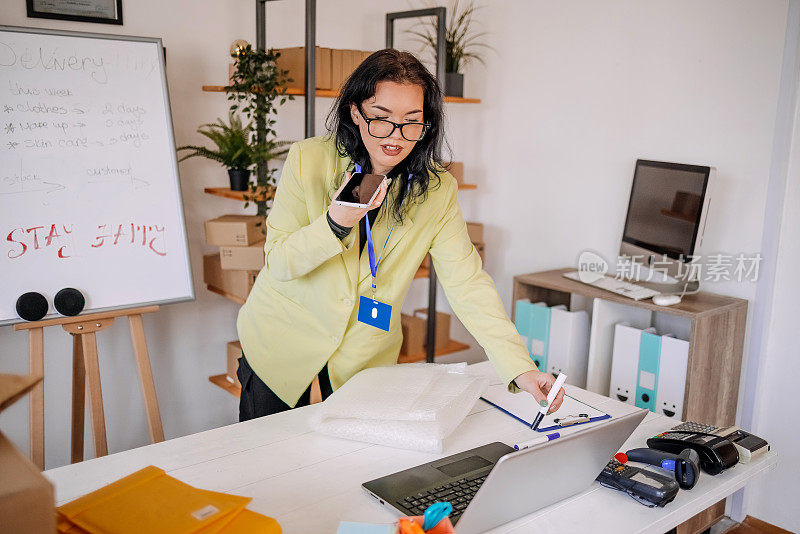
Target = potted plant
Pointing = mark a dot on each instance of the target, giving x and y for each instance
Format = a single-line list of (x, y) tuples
[(462, 44), (233, 149), (256, 90)]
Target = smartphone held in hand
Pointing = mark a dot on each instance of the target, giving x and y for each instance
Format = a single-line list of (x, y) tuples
[(360, 191)]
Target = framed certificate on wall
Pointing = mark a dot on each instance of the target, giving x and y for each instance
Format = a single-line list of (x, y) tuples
[(104, 11)]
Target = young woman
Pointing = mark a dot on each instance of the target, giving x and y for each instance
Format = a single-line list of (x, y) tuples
[(301, 318)]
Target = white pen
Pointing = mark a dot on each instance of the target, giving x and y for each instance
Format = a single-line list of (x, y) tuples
[(536, 441), (550, 398)]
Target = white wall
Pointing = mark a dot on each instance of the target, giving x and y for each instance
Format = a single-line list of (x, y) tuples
[(774, 410), (573, 93), (775, 496)]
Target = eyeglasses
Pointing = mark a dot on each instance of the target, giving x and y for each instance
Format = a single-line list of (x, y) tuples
[(382, 128)]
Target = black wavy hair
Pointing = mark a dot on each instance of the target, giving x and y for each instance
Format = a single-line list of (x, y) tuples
[(424, 160)]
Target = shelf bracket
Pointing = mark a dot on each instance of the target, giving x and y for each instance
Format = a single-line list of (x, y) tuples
[(311, 56), (440, 13)]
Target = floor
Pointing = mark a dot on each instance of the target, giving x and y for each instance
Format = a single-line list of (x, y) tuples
[(751, 525)]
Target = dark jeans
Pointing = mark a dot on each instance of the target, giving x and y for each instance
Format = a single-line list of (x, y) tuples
[(257, 400)]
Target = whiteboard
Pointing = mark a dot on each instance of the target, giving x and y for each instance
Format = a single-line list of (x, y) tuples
[(89, 190)]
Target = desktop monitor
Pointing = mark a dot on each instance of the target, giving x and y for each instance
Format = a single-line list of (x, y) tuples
[(666, 217)]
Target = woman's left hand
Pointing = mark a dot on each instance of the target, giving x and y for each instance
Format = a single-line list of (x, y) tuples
[(538, 384)]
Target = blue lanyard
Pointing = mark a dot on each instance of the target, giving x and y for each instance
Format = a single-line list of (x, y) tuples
[(373, 265)]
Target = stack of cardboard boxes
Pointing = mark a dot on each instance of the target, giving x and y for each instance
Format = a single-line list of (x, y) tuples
[(333, 66), (232, 272), (26, 497)]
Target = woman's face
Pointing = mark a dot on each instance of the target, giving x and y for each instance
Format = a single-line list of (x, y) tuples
[(396, 102)]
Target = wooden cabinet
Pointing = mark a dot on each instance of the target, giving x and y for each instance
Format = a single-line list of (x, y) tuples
[(715, 323)]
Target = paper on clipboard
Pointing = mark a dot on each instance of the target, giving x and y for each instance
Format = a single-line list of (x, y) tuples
[(523, 407)]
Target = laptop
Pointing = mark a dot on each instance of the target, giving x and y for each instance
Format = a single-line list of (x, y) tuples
[(494, 484)]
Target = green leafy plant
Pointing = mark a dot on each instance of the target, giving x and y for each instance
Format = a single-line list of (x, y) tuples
[(257, 88), (234, 146), (462, 43), (232, 140)]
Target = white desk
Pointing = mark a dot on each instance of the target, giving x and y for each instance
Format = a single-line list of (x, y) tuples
[(309, 482)]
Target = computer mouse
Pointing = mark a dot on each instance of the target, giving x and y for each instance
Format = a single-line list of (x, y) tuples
[(666, 300)]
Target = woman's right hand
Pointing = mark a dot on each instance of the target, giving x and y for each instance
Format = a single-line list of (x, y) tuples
[(349, 216)]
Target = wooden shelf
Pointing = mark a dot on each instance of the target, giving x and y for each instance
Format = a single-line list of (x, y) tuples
[(451, 347), (467, 186), (329, 93), (559, 288), (226, 192), (222, 293), (223, 382)]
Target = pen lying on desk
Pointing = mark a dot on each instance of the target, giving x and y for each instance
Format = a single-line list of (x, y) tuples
[(536, 441)]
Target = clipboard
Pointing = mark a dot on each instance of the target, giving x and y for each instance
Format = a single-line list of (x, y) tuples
[(523, 408)]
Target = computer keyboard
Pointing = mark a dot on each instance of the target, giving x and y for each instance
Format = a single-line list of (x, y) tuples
[(458, 493), (620, 287)]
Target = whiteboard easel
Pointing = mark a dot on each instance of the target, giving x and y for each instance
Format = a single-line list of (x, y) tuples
[(85, 365), (89, 198)]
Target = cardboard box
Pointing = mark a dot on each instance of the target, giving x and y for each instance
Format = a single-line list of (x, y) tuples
[(481, 252), (456, 168), (234, 353), (426, 261), (354, 58), (236, 283), (243, 258), (475, 231), (442, 326), (337, 68), (343, 63), (294, 60), (27, 503), (237, 230), (414, 330)]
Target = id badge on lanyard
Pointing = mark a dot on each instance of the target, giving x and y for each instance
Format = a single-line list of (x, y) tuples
[(371, 311)]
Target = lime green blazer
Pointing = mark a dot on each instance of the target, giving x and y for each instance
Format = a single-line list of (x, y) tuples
[(302, 311)]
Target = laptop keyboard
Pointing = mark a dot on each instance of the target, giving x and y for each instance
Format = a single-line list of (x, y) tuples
[(458, 493)]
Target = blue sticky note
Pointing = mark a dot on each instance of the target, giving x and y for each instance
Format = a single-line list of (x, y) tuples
[(374, 313), (348, 527)]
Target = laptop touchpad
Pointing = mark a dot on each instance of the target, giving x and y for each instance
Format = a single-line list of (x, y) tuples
[(459, 467)]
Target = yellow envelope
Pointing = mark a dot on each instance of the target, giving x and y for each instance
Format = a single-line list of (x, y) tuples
[(150, 501), (248, 522)]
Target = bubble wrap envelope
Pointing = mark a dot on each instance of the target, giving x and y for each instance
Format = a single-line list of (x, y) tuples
[(407, 406)]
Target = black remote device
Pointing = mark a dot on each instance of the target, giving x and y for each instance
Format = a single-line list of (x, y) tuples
[(647, 487)]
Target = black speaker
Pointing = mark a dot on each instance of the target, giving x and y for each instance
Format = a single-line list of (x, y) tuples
[(69, 301), (32, 306)]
